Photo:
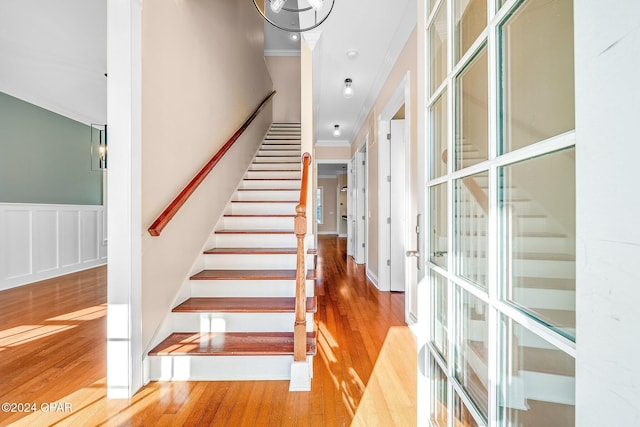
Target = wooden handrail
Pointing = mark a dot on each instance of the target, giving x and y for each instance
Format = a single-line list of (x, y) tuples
[(173, 208), (300, 229)]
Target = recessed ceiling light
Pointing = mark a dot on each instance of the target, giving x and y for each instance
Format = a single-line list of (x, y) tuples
[(352, 53), (294, 37), (336, 131)]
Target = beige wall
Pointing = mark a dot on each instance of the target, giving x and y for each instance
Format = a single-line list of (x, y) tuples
[(285, 73), (329, 207), (333, 153), (203, 72), (406, 62)]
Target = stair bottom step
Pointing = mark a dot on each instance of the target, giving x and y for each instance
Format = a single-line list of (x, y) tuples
[(231, 344), (221, 368)]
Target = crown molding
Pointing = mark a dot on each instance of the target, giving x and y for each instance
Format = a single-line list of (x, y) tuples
[(400, 38)]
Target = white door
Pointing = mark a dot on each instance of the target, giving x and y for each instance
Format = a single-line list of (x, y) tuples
[(361, 230), (351, 238), (397, 226)]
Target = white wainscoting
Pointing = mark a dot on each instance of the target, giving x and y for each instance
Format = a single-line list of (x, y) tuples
[(39, 241)]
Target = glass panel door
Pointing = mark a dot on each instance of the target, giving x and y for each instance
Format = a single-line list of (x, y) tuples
[(500, 191)]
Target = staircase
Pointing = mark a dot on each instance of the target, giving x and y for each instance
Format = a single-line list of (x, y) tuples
[(238, 322)]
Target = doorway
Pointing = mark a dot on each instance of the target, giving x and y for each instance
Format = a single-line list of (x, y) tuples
[(394, 198), (332, 198)]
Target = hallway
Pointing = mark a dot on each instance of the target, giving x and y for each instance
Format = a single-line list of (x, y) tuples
[(52, 343)]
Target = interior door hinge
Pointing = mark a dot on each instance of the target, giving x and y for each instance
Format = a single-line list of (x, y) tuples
[(388, 220), (388, 137), (388, 178), (389, 262)]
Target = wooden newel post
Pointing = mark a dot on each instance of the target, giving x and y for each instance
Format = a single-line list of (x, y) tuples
[(300, 328), (300, 229)]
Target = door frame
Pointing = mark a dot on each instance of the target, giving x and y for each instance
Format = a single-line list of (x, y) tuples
[(400, 96), (362, 238), (328, 162)]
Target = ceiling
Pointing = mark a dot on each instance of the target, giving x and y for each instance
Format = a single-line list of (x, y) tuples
[(57, 60), (377, 30)]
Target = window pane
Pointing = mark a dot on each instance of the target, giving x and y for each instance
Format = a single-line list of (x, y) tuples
[(439, 300), (470, 20), (537, 72), (439, 136), (438, 396), (538, 381), (319, 203), (462, 415), (438, 47), (538, 211), (472, 115), (471, 348), (471, 225), (438, 225)]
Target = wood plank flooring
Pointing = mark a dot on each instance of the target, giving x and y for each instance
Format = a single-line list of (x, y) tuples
[(52, 349)]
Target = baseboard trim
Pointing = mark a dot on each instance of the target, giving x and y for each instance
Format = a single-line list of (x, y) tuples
[(372, 277)]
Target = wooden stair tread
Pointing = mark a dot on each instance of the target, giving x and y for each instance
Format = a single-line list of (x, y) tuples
[(277, 163), (257, 251), (280, 155), (244, 305), (230, 344), (268, 189), (259, 215), (243, 231), (274, 170), (265, 201), (250, 275), (273, 179)]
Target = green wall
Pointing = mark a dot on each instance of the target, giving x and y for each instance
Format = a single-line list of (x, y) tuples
[(45, 157)]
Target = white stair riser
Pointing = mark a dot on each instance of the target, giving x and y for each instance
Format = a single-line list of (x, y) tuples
[(291, 194), (275, 174), (266, 223), (238, 208), (255, 241), (544, 269), (554, 245), (524, 224), (546, 244), (219, 368), (283, 139), (269, 151), (548, 269), (274, 159), (237, 322), (276, 146), (247, 288), (272, 166), (546, 299), (285, 184), (253, 261)]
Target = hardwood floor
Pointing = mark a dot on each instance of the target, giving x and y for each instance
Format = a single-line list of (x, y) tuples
[(52, 349)]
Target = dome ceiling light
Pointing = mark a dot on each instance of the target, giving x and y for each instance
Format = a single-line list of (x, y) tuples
[(347, 92)]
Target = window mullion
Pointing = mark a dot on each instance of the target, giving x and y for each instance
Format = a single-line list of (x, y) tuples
[(493, 232)]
